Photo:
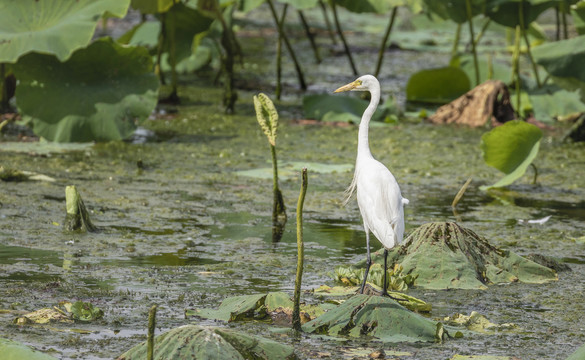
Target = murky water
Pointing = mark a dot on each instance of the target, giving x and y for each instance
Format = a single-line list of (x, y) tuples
[(184, 231)]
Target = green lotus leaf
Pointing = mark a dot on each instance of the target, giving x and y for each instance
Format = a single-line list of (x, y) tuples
[(437, 86), (290, 170), (447, 255), (212, 343), (454, 9), (507, 12), (12, 350), (578, 16), (579, 354), (550, 103), (375, 316), (51, 26), (152, 6), (301, 4), (101, 93), (233, 308), (563, 60), (511, 148), (376, 6), (338, 108)]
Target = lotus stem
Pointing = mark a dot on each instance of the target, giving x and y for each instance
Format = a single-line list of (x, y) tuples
[(311, 37), (159, 48), (173, 56), (516, 68), (296, 315), (472, 36), (525, 35), (327, 22), (279, 57), (340, 32), (385, 40), (151, 328), (456, 42), (535, 173), (460, 193), (278, 209), (482, 31), (3, 90), (280, 27)]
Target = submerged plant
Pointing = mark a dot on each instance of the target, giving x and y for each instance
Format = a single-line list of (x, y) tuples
[(268, 119)]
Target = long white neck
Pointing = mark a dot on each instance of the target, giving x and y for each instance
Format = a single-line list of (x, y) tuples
[(363, 142)]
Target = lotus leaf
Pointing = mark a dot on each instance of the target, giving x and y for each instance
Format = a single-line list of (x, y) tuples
[(152, 6), (455, 9), (438, 86), (447, 255), (345, 108), (578, 355), (198, 342), (376, 316), (511, 148), (551, 103), (477, 322), (563, 60), (12, 350), (289, 170), (507, 12), (67, 102), (301, 4), (28, 26)]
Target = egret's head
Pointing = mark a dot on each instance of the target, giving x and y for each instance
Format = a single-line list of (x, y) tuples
[(363, 83)]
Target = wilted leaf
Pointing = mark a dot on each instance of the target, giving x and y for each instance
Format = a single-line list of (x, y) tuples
[(211, 343), (43, 316), (12, 350), (375, 316), (69, 103), (476, 322), (511, 148), (438, 86), (28, 26), (446, 255)]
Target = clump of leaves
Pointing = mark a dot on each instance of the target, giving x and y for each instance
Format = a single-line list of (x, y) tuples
[(66, 312), (397, 279)]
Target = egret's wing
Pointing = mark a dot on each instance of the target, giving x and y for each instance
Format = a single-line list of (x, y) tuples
[(380, 203)]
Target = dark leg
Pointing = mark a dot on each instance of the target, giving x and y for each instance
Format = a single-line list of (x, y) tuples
[(385, 285), (368, 261)]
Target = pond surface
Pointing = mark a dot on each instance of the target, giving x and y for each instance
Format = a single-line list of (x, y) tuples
[(184, 230)]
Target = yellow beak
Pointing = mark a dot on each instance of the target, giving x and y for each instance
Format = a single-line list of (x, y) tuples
[(349, 86)]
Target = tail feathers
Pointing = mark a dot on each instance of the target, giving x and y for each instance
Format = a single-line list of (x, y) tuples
[(350, 190)]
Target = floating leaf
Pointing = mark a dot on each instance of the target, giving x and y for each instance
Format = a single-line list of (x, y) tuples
[(437, 86), (267, 116), (477, 322), (578, 355), (510, 148), (12, 350), (376, 316), (44, 316), (28, 26), (289, 170), (84, 311), (211, 343), (339, 108), (233, 308), (551, 103), (69, 103)]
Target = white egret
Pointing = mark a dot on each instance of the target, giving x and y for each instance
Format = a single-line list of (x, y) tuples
[(378, 194)]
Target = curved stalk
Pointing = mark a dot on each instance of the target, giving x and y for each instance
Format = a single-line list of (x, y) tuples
[(525, 35), (385, 40), (296, 315), (279, 56), (327, 22), (456, 42), (535, 173)]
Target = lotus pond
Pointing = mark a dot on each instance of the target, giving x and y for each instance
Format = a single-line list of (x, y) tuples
[(184, 218)]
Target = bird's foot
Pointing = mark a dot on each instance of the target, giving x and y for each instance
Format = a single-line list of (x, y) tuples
[(385, 293)]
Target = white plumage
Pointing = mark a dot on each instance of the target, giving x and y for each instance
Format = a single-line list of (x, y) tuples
[(378, 194)]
